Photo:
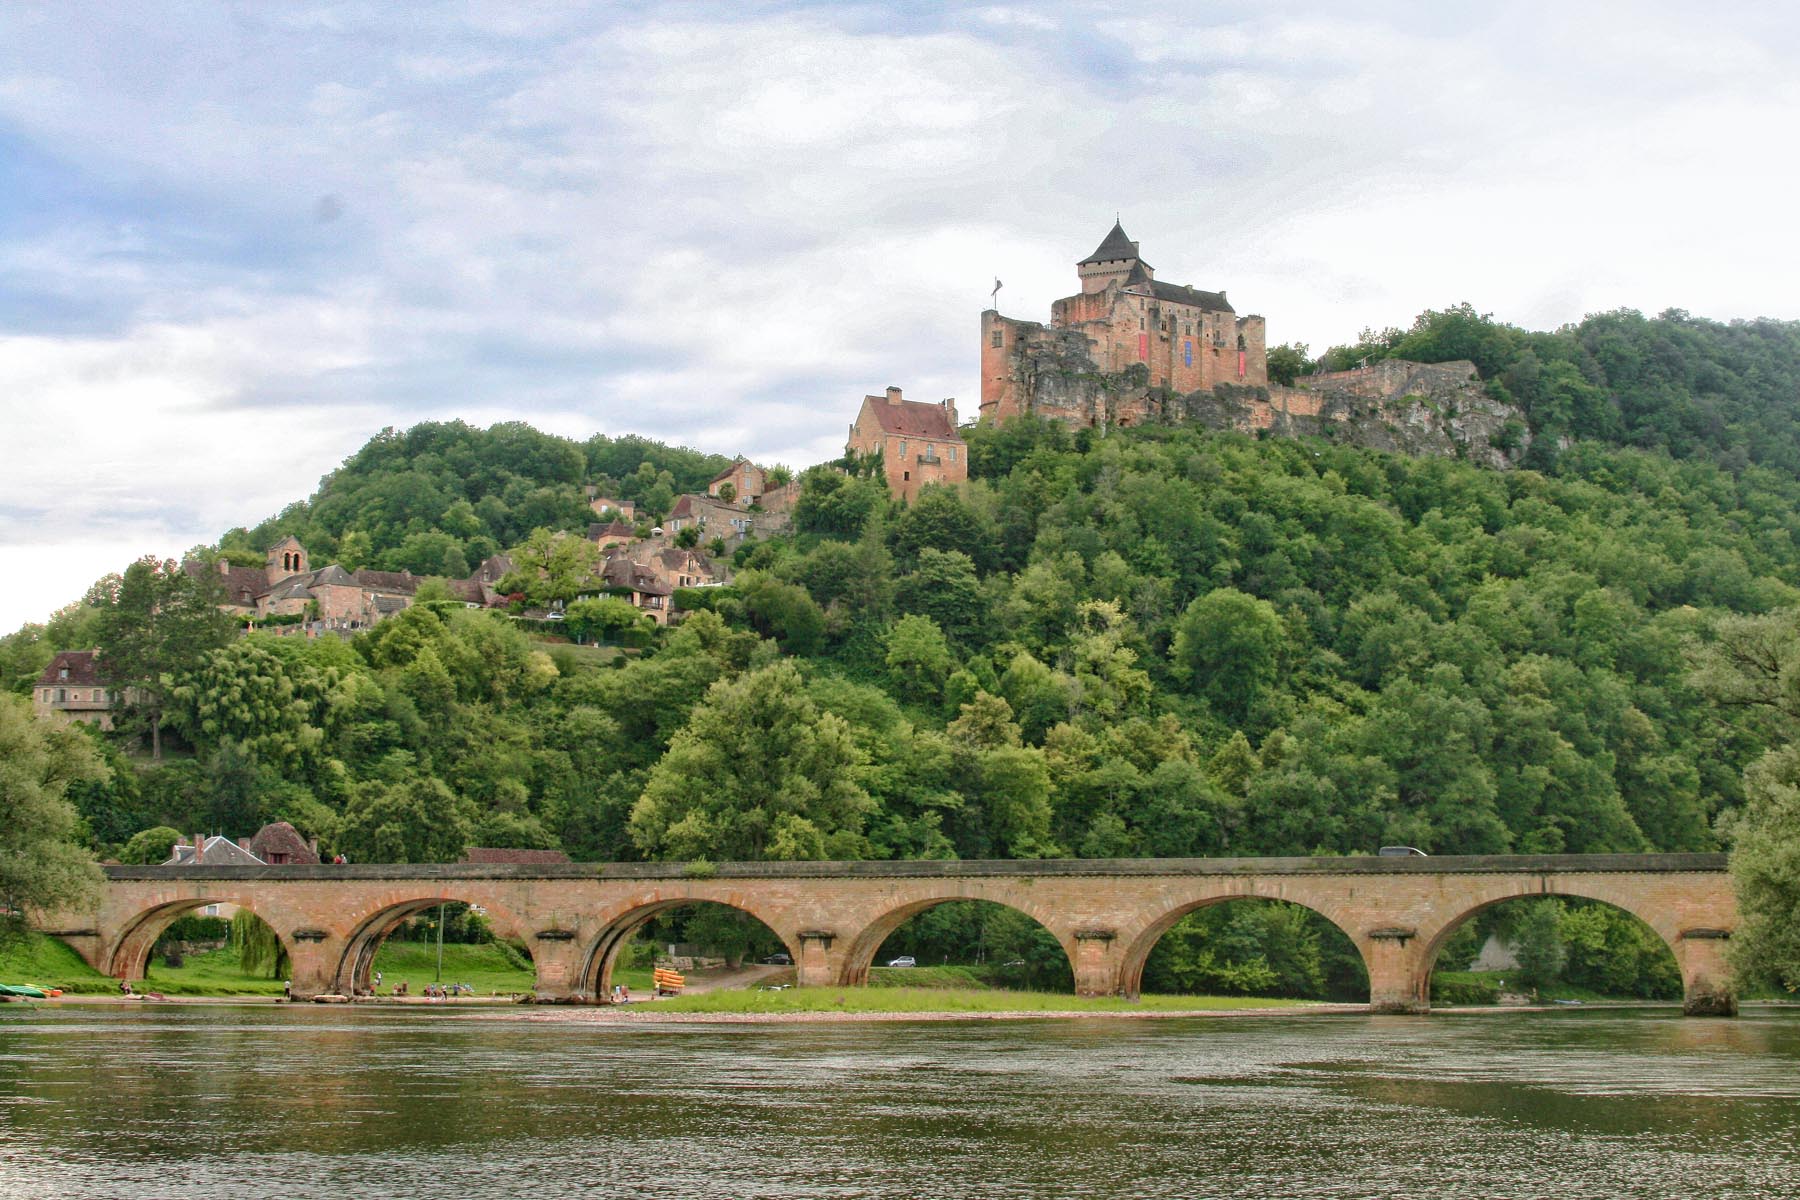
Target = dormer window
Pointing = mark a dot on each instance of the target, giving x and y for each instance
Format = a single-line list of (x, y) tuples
[(62, 673)]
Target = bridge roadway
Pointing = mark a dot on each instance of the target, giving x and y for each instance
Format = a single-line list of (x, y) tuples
[(834, 916)]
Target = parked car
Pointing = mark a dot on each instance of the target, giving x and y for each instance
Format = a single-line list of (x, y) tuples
[(779, 960), (905, 960)]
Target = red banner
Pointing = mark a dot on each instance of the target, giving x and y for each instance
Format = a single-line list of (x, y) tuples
[(1143, 347)]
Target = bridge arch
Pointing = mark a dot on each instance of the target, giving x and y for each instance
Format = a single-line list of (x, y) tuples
[(618, 923), (1136, 951), (1663, 923), (127, 956), (859, 954), (353, 970)]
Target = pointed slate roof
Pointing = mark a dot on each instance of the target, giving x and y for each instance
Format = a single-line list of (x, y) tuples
[(1116, 248)]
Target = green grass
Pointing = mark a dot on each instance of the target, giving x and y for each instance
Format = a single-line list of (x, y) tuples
[(488, 968), (213, 973), (44, 961), (947, 999)]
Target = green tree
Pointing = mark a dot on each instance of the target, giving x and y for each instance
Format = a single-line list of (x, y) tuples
[(1287, 362), (149, 847), (1765, 871), (162, 622), (42, 864), (413, 819), (758, 772), (1227, 649), (918, 658), (1537, 943)]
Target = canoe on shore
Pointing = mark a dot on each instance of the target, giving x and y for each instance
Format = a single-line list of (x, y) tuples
[(23, 991)]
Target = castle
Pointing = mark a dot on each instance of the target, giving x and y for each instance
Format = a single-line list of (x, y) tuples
[(1184, 339)]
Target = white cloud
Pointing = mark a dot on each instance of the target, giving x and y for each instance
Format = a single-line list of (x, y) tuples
[(266, 235)]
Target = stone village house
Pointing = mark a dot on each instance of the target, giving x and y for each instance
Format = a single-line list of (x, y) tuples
[(918, 443)]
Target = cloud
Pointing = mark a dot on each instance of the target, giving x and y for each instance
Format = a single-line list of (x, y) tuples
[(235, 244)]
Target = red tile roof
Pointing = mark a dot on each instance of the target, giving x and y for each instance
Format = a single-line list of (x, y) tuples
[(909, 418)]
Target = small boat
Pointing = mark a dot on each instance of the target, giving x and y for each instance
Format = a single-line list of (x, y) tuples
[(23, 991), (1569, 1003)]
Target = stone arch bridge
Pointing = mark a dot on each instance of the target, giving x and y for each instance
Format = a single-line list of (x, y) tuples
[(834, 916)]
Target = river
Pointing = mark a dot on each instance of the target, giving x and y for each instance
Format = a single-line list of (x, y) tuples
[(234, 1101)]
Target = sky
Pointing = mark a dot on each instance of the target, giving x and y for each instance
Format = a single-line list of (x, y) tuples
[(236, 241)]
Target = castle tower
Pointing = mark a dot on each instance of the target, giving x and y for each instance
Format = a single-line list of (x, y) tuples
[(1116, 258)]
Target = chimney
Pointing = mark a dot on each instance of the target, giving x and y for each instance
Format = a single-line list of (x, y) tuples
[(243, 843), (313, 845), (893, 395), (199, 846), (225, 566), (950, 410)]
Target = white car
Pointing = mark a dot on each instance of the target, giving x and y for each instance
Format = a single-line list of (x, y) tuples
[(905, 960)]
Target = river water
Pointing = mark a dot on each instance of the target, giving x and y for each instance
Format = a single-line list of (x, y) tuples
[(204, 1101)]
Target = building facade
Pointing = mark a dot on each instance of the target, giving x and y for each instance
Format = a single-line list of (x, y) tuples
[(70, 690), (918, 443)]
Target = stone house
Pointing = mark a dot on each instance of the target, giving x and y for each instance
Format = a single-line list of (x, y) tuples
[(918, 443), (713, 518), (1185, 340), (337, 600), (70, 689), (607, 506), (214, 851), (748, 481), (608, 535), (650, 572), (280, 844)]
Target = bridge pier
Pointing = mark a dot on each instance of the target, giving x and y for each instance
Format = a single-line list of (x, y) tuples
[(1705, 976), (313, 964), (556, 959), (1096, 962), (816, 966), (1399, 982)]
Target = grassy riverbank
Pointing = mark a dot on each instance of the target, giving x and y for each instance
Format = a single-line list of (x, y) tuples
[(49, 962)]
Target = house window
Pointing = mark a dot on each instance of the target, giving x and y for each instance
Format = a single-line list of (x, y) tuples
[(62, 695), (953, 454), (63, 673)]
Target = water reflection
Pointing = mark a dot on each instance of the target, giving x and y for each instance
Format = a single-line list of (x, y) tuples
[(300, 1102)]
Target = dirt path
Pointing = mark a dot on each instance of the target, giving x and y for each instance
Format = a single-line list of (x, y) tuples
[(745, 976)]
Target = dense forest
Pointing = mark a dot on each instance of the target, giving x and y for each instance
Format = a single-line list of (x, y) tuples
[(1163, 641)]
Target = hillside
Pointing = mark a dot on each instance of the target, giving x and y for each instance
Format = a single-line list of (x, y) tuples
[(1165, 641)]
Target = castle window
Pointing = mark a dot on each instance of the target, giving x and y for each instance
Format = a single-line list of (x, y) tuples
[(905, 476), (902, 449), (953, 454), (996, 337)]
